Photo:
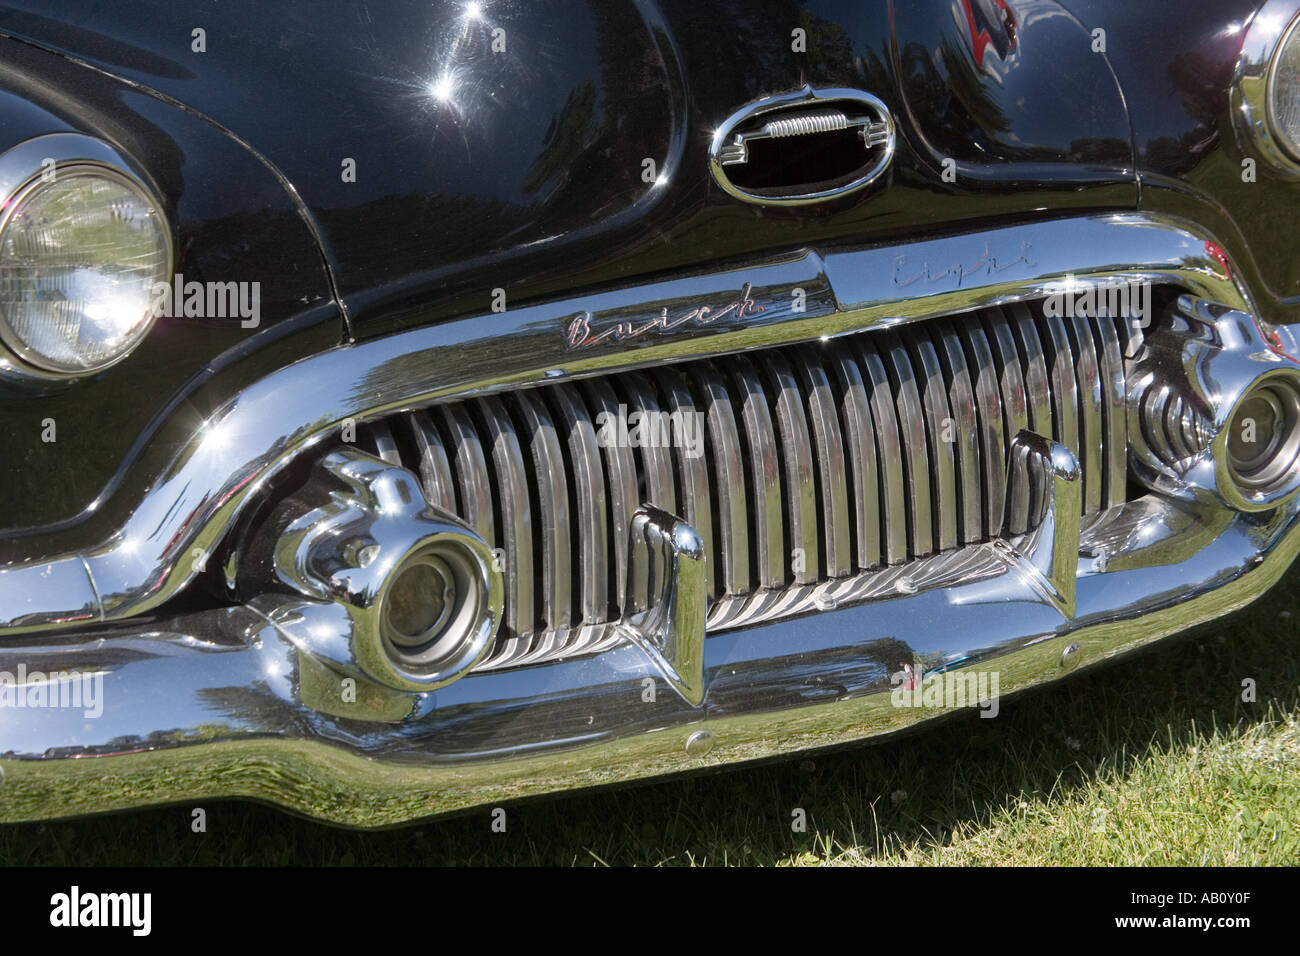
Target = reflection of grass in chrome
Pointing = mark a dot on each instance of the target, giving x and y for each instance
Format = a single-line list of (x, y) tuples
[(1154, 759)]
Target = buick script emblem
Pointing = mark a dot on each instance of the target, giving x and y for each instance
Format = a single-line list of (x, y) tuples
[(580, 333)]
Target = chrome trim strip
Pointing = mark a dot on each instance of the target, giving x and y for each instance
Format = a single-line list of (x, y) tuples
[(185, 495)]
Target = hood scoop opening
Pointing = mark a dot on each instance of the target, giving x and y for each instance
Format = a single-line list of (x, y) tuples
[(807, 147)]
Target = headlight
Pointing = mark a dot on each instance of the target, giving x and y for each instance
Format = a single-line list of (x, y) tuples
[(1266, 87), (1284, 91), (81, 247)]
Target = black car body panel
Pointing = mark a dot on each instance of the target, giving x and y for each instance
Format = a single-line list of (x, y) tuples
[(525, 169), (529, 178)]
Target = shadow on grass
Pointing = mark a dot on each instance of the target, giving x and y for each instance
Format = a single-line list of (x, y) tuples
[(910, 791)]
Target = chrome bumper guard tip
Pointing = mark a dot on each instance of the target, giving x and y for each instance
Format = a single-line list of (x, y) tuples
[(666, 579), (1049, 554)]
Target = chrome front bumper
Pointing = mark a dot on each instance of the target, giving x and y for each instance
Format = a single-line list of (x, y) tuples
[(230, 705), (250, 701)]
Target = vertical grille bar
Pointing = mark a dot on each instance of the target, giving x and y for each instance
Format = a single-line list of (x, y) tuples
[(1038, 389), (732, 503), (916, 457), (552, 540), (516, 524), (473, 478), (829, 456), (660, 487), (889, 448), (693, 469), (964, 435), (1087, 376), (592, 512), (796, 454), (938, 419), (1114, 411), (1174, 427), (385, 443), (992, 429), (621, 474), (435, 469), (765, 477), (1015, 416), (1064, 386), (860, 443)]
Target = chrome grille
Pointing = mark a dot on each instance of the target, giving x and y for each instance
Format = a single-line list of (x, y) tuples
[(820, 461)]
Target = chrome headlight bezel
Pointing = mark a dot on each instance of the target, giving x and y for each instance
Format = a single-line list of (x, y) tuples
[(1290, 146), (24, 169), (1267, 33)]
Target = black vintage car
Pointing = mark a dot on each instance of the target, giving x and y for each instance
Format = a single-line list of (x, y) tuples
[(408, 406)]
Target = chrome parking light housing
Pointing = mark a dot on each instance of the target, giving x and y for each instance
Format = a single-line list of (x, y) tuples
[(1194, 386), (351, 539)]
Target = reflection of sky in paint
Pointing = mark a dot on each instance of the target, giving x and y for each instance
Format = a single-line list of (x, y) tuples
[(452, 97), (411, 90)]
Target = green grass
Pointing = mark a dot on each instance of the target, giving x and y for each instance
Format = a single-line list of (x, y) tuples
[(1153, 760)]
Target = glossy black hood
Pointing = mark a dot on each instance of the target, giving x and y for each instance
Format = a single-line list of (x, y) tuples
[(450, 149)]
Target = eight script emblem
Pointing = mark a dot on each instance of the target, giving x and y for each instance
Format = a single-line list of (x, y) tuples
[(579, 333), (987, 264)]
